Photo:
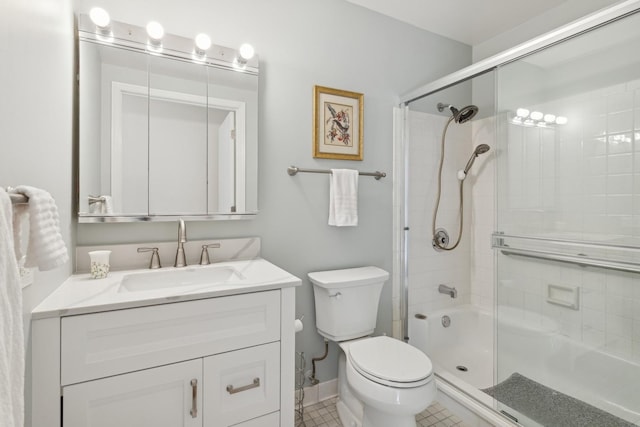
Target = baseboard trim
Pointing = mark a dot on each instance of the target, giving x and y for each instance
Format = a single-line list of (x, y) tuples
[(321, 391)]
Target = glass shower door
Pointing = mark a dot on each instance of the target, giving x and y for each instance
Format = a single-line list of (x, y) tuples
[(568, 232)]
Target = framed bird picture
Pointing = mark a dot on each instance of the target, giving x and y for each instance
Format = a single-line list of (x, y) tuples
[(337, 124)]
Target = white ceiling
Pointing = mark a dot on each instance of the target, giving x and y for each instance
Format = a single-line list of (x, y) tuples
[(468, 21)]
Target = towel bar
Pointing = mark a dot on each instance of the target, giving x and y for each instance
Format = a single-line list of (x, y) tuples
[(292, 170), (17, 198), (582, 253)]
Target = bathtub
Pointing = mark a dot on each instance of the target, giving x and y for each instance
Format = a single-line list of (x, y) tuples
[(463, 358)]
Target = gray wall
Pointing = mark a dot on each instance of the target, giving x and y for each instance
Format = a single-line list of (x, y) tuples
[(36, 119), (36, 78), (303, 43)]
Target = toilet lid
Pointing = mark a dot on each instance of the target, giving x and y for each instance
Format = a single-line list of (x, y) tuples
[(387, 360)]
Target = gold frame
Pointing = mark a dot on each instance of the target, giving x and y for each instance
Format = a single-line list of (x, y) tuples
[(353, 102)]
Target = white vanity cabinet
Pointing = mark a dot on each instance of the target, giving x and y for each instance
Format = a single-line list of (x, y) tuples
[(218, 361), (228, 389)]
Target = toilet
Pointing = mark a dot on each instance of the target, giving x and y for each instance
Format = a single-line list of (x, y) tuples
[(382, 381)]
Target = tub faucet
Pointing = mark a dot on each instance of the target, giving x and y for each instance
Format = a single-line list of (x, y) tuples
[(181, 260), (449, 290)]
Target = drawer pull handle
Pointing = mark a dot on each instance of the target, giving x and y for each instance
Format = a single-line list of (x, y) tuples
[(232, 390), (194, 398)]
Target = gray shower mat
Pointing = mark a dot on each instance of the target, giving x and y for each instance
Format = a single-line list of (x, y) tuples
[(548, 407)]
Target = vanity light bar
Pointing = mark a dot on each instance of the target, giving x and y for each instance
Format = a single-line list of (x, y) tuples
[(154, 40)]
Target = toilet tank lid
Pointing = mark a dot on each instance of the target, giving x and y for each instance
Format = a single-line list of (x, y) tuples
[(359, 276)]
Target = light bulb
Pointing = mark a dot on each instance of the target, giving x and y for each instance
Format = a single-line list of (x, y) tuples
[(528, 122), (561, 120), (155, 32), (522, 112), (536, 115), (203, 41), (549, 118), (100, 17), (247, 51)]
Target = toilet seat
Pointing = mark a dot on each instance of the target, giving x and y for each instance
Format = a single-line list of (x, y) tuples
[(390, 362)]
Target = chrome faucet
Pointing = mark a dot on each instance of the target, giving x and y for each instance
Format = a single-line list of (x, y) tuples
[(181, 260), (448, 290)]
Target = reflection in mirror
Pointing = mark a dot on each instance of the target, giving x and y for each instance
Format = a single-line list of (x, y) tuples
[(236, 93), (163, 136), (112, 99), (177, 137)]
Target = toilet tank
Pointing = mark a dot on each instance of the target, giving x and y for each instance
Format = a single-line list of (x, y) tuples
[(347, 301)]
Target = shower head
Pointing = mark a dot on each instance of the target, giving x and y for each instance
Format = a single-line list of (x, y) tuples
[(480, 149), (462, 115)]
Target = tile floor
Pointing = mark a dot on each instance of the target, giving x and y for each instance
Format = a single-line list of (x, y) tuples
[(324, 414)]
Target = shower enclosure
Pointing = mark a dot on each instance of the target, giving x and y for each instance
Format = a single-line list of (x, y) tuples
[(550, 249)]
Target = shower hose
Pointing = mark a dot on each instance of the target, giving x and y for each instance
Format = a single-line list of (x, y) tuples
[(436, 242)]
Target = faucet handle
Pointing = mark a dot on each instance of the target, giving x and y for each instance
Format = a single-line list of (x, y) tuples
[(155, 257), (204, 256)]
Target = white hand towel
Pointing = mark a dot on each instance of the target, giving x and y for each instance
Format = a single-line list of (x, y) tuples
[(343, 197), (46, 249), (107, 205), (11, 329)]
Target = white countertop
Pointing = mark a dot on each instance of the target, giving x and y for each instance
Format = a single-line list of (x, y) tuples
[(80, 294)]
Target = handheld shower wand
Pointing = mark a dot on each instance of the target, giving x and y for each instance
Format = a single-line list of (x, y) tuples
[(480, 149)]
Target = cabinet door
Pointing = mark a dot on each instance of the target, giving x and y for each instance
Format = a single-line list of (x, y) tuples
[(168, 396), (242, 385)]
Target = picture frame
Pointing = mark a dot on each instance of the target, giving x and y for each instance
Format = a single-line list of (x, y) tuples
[(338, 124)]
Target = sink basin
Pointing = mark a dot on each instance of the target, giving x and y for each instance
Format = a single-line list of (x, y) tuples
[(188, 276)]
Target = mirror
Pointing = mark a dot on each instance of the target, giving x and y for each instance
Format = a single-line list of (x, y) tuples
[(164, 135)]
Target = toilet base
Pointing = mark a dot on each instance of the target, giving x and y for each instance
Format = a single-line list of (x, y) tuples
[(374, 418), (347, 418), (350, 409)]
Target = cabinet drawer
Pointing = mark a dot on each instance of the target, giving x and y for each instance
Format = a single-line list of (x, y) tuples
[(271, 420), (241, 385), (104, 344)]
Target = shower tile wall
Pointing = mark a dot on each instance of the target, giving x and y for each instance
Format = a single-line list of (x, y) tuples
[(428, 268), (481, 182), (581, 181)]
